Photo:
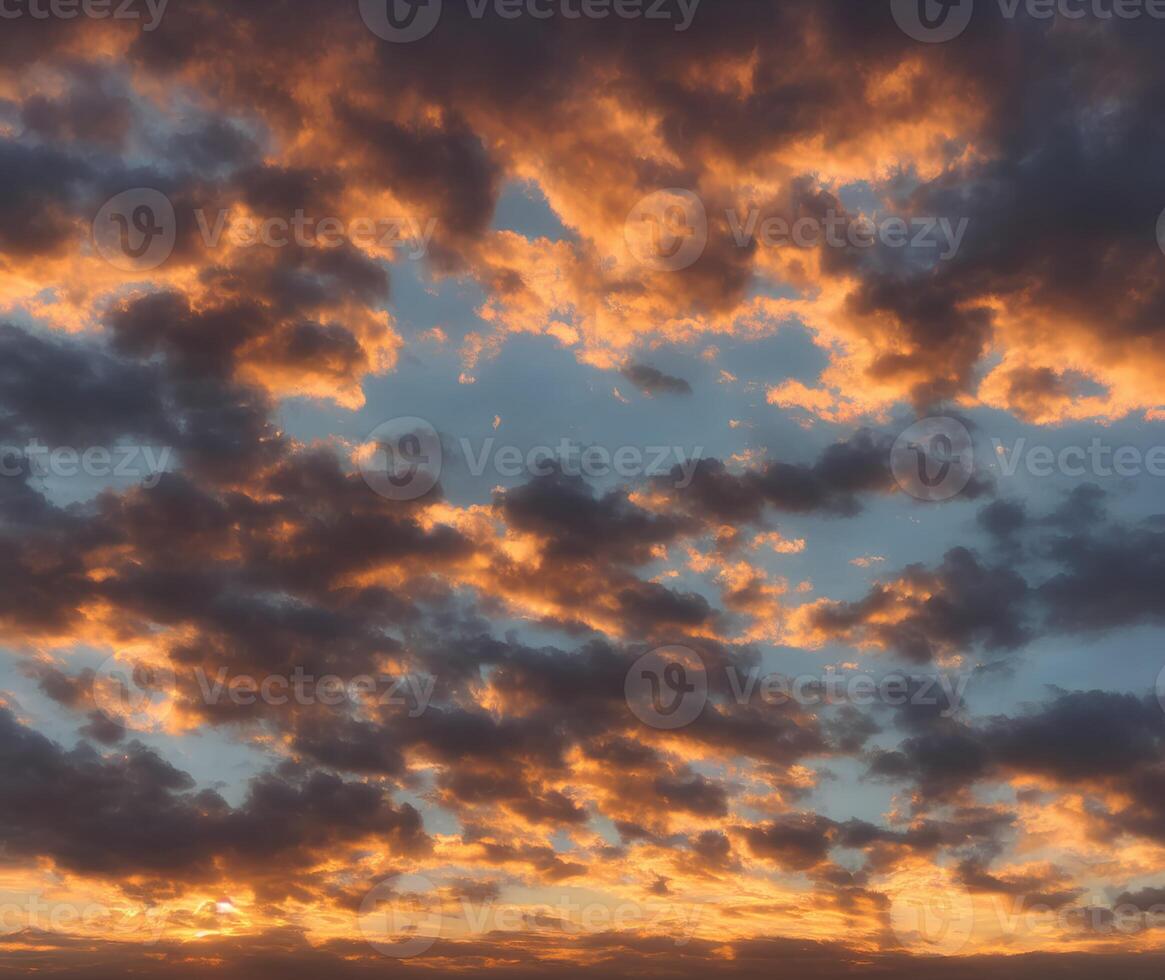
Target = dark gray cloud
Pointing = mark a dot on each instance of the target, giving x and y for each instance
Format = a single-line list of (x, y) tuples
[(135, 814), (960, 604), (1094, 741), (652, 381)]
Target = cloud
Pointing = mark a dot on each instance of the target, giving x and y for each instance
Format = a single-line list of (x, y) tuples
[(652, 381), (258, 553), (135, 814)]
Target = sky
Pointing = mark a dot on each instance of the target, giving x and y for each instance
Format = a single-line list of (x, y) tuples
[(582, 487)]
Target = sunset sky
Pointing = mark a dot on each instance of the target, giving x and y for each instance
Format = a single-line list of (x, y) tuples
[(532, 488)]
